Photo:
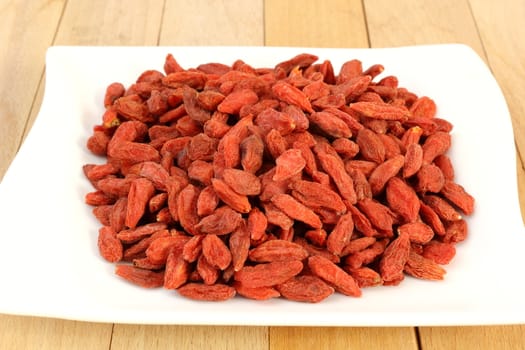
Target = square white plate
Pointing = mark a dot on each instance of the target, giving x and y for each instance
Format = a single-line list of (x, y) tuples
[(50, 266)]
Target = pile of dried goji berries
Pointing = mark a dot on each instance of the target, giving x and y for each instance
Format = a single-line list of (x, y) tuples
[(288, 181)]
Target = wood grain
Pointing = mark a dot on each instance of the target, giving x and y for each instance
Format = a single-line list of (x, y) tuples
[(189, 337), (25, 34), (416, 22), (329, 23), (110, 22), (212, 22), (302, 338), (473, 338), (18, 332)]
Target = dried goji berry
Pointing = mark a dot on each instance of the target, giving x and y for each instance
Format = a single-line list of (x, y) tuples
[(380, 111), (239, 244), (330, 124), (186, 206), (417, 232), (402, 199), (421, 267), (271, 119), (394, 258), (455, 231), (235, 200), (258, 293), (117, 217), (370, 146), (350, 69), (340, 236), (430, 179), (252, 150), (193, 248), (315, 195), (442, 208), (334, 166), (216, 251), (296, 210), (140, 193), (423, 107), (365, 277), (378, 214), (193, 79), (242, 182), (457, 195), (306, 288), (288, 164), (109, 245), (257, 224), (413, 159), (277, 250), (138, 249), (334, 275), (357, 245), (141, 277), (113, 92), (277, 217), (268, 274), (132, 235), (207, 201), (439, 252), (222, 221), (159, 248), (275, 143), (203, 292), (384, 172), (436, 144), (177, 270), (292, 95), (233, 102)]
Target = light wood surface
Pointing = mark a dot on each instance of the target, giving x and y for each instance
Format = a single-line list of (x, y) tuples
[(493, 28), (336, 23)]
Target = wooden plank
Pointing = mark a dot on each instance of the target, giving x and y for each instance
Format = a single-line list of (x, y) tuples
[(413, 22), (110, 22), (189, 337), (330, 23), (20, 332), (473, 338), (25, 33), (505, 54), (303, 338), (212, 22)]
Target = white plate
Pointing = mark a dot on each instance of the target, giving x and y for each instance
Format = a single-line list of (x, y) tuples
[(50, 266)]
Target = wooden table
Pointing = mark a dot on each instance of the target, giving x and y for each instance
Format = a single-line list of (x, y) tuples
[(494, 29)]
